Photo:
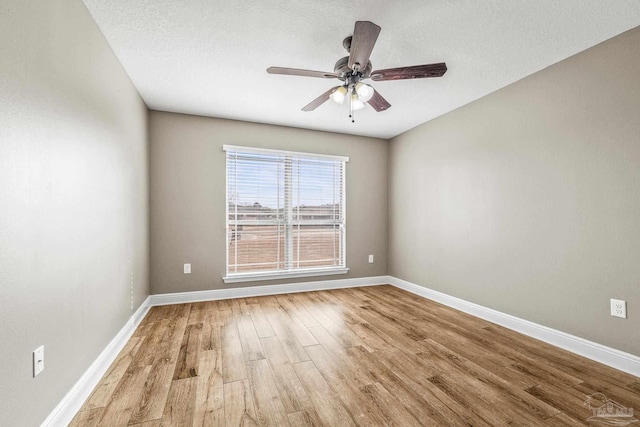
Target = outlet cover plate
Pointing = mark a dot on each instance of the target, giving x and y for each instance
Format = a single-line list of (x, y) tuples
[(618, 308), (187, 269), (38, 360)]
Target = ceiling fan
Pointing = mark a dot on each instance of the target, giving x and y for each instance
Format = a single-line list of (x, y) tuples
[(352, 69)]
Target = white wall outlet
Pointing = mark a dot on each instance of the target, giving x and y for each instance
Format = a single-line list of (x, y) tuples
[(38, 360), (618, 308), (187, 269), (370, 259)]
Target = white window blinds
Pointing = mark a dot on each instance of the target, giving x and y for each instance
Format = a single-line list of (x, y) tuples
[(285, 211)]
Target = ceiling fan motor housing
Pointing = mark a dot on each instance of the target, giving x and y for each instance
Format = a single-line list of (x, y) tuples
[(342, 69)]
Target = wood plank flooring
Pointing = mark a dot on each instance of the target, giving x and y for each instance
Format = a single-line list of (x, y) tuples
[(369, 356)]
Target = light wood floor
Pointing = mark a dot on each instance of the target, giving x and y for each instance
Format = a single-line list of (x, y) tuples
[(363, 356)]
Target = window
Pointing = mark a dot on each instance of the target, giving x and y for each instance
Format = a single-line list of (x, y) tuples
[(285, 214)]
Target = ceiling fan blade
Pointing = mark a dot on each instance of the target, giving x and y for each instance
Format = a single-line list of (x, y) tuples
[(413, 72), (319, 100), (378, 102), (364, 38), (299, 72)]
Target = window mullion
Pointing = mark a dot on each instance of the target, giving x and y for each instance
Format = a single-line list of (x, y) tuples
[(288, 195), (235, 204), (278, 217), (298, 218), (334, 213)]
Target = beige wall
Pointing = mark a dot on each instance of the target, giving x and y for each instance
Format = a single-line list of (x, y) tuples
[(187, 175), (73, 201), (528, 200)]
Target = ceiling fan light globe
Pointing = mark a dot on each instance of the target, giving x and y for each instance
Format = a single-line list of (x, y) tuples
[(356, 103), (365, 92), (338, 95)]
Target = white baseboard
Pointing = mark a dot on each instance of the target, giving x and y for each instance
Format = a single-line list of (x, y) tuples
[(256, 291), (69, 406), (606, 355)]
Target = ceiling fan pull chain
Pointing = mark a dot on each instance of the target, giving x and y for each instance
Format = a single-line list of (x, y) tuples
[(350, 106), (352, 112)]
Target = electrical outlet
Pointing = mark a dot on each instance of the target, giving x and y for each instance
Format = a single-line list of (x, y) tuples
[(618, 308), (187, 269), (370, 259), (38, 360)]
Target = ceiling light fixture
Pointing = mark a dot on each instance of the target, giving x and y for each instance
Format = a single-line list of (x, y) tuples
[(364, 91), (358, 94), (356, 103), (350, 70), (338, 95)]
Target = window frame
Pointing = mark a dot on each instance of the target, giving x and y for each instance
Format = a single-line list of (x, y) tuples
[(294, 272)]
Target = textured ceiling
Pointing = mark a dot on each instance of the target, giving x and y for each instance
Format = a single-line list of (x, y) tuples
[(208, 57)]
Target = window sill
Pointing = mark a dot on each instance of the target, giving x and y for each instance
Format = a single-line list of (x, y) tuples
[(254, 277)]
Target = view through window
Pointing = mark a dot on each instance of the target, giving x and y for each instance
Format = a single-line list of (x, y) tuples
[(285, 211)]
